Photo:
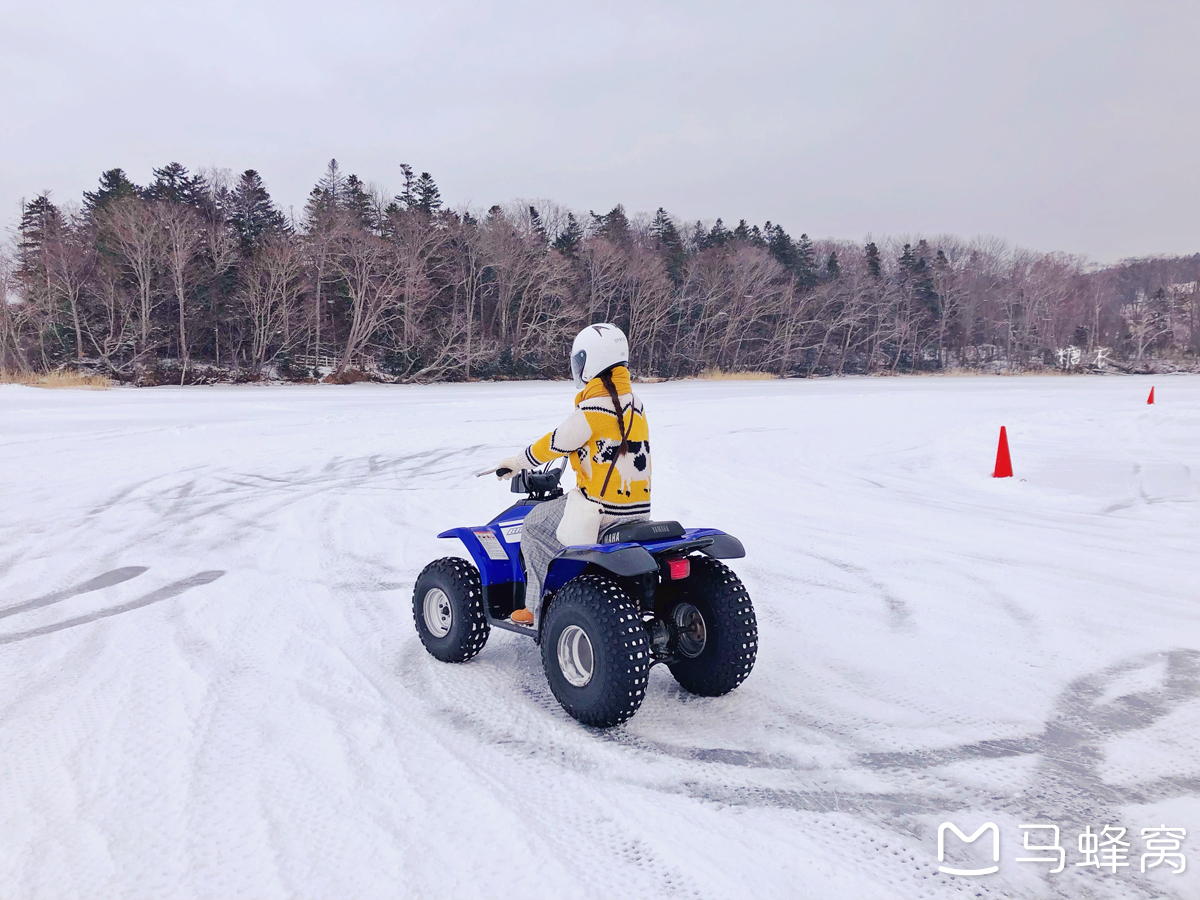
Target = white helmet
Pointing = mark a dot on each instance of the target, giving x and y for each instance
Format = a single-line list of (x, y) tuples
[(596, 348)]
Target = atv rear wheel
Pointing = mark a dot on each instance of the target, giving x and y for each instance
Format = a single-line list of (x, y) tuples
[(595, 651), (448, 610), (716, 631)]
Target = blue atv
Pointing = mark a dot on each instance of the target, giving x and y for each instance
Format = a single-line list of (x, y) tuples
[(648, 593)]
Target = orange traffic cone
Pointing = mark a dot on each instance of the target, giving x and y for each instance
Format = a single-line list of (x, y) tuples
[(1150, 399), (1003, 461)]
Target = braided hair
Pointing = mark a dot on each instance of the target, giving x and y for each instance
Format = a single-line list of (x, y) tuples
[(607, 380)]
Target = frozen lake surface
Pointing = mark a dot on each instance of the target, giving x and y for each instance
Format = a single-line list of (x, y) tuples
[(210, 685)]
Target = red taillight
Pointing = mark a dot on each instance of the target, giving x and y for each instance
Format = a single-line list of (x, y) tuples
[(679, 567)]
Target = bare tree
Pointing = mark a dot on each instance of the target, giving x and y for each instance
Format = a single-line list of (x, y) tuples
[(1147, 321), (14, 314), (182, 236), (110, 324), (71, 261), (136, 234), (423, 259), (325, 234), (374, 284), (272, 284), (602, 263), (648, 293), (524, 299)]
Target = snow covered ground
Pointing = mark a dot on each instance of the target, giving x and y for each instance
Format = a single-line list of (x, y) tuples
[(210, 686)]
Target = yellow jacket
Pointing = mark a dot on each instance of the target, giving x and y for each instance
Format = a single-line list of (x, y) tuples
[(590, 438)]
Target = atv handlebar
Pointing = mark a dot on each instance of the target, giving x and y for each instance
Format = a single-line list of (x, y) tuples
[(499, 473), (539, 484), (543, 482)]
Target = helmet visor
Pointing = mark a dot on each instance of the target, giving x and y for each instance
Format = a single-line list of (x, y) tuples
[(578, 361)]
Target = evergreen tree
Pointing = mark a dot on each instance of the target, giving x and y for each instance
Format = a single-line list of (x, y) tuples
[(874, 265), (173, 184), (114, 185), (332, 184), (535, 222), (780, 245), (833, 269), (663, 228), (670, 243), (915, 271), (408, 197), (357, 202), (252, 213), (317, 205), (923, 286), (613, 225), (428, 197), (742, 232), (214, 200), (719, 235), (41, 222), (326, 196), (806, 262), (387, 225), (569, 238)]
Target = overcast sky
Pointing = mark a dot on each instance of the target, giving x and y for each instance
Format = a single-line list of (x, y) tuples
[(1056, 125)]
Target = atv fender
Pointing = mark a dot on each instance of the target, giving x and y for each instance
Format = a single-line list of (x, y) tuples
[(623, 561), (724, 546), (626, 561), (491, 570)]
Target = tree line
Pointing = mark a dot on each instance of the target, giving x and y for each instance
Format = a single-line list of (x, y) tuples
[(199, 277)]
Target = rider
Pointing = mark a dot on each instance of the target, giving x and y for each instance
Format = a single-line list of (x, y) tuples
[(608, 443)]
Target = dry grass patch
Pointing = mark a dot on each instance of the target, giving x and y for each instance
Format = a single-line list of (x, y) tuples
[(722, 375), (60, 379), (350, 376)]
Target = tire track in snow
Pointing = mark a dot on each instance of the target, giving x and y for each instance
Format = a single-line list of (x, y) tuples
[(899, 616), (1064, 788), (108, 579), (522, 763), (166, 592), (790, 753)]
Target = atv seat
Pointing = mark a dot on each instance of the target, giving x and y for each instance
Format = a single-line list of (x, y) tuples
[(642, 531)]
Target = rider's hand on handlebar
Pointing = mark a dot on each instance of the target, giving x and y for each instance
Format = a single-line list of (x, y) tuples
[(507, 468)]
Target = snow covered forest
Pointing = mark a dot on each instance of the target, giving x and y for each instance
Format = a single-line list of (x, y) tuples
[(199, 278)]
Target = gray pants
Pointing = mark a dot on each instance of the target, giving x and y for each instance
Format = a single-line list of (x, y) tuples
[(539, 545)]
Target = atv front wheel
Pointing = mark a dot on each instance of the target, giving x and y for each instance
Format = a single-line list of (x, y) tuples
[(595, 651), (448, 610), (716, 631)]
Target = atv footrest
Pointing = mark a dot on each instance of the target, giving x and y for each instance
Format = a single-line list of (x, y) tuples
[(509, 625)]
